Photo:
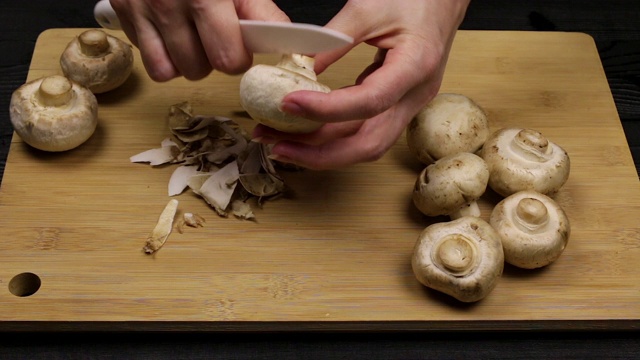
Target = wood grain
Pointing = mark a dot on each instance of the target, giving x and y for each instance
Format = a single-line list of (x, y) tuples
[(335, 253)]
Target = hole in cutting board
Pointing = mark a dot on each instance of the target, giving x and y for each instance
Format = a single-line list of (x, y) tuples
[(25, 284)]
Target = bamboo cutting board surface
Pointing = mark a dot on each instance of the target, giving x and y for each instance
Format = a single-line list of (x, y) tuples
[(334, 255)]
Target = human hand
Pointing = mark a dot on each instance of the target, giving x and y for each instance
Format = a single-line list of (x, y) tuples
[(191, 38), (363, 121)]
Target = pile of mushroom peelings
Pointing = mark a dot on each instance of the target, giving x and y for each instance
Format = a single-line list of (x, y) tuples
[(216, 161)]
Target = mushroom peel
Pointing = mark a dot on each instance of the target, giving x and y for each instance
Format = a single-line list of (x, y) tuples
[(53, 113), (97, 60), (523, 159), (449, 124), (462, 258), (533, 227), (263, 87), (451, 186)]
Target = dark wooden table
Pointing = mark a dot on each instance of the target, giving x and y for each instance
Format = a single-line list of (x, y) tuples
[(615, 26)]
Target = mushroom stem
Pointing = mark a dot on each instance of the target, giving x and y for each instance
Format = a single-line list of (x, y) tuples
[(470, 209), (299, 64), (456, 254), (94, 43), (531, 145), (55, 91), (531, 214)]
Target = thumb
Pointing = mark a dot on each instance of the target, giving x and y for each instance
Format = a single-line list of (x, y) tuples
[(265, 10), (345, 21)]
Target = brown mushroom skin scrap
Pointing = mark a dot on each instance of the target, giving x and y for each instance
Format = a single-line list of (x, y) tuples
[(523, 159), (97, 60), (448, 124), (534, 229), (462, 258)]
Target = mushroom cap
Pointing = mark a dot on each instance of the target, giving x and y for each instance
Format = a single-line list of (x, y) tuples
[(523, 159), (53, 113), (533, 227), (449, 124), (450, 183), (462, 258), (263, 87), (97, 61)]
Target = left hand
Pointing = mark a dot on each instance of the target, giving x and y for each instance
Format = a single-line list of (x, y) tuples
[(364, 120)]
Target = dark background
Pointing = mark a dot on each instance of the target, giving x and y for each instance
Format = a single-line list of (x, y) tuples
[(615, 27)]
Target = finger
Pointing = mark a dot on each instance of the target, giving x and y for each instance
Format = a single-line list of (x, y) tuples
[(155, 57), (185, 49), (380, 90), (217, 24), (326, 133), (260, 10), (368, 144), (349, 20), (221, 35), (144, 35)]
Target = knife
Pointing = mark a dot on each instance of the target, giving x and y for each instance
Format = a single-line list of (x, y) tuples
[(261, 36)]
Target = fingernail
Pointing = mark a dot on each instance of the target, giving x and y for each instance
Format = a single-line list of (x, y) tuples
[(292, 108), (265, 140), (280, 158)]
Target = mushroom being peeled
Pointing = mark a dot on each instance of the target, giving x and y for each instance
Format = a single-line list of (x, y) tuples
[(451, 186), (53, 113), (523, 159), (533, 227), (263, 87), (98, 61), (449, 124), (462, 258)]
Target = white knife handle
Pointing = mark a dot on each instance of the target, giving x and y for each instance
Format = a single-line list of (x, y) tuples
[(106, 16)]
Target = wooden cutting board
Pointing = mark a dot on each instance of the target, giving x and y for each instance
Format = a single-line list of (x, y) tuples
[(335, 255)]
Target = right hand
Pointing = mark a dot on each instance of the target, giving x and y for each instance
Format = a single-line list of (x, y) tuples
[(191, 38)]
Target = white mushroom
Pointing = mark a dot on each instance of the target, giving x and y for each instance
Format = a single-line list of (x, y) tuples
[(451, 186), (53, 113), (533, 227), (523, 159), (263, 87), (98, 61), (449, 124), (462, 258)]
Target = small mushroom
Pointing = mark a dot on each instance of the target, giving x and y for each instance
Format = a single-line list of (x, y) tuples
[(523, 159), (53, 113), (449, 124), (462, 258), (97, 60), (451, 186), (263, 87), (533, 227)]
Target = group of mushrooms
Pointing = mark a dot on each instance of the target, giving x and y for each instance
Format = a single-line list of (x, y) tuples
[(527, 228), (60, 112)]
